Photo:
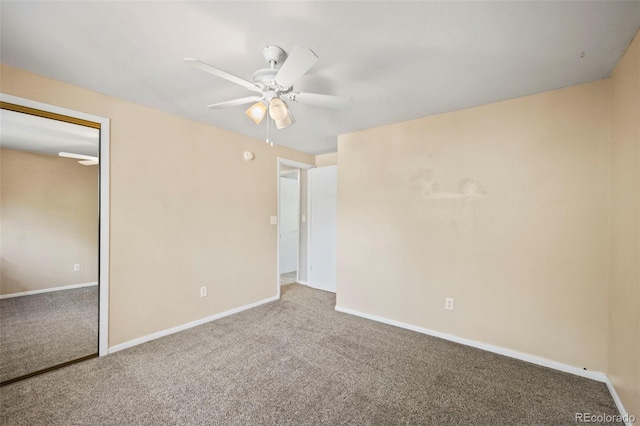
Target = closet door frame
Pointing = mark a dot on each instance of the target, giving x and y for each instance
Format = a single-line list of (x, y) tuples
[(18, 104)]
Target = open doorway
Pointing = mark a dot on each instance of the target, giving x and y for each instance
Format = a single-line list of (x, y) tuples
[(292, 222), (289, 231)]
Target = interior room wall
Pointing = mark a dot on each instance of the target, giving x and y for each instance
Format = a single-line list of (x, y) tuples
[(177, 221), (500, 207), (48, 222), (624, 272), (330, 159)]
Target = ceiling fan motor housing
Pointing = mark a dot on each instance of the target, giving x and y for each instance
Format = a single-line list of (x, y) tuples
[(274, 54), (265, 78)]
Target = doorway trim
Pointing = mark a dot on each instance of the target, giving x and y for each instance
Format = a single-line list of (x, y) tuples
[(299, 210), (299, 165), (104, 191)]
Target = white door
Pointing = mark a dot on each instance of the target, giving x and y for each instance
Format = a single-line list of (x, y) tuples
[(289, 236), (323, 193)]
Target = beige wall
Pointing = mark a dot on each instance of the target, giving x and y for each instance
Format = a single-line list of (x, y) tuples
[(330, 159), (624, 303), (525, 259), (48, 220), (177, 221)]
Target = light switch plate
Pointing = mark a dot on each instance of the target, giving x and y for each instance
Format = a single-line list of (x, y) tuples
[(273, 220)]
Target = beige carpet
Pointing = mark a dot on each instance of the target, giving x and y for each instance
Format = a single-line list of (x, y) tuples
[(47, 329), (297, 362), (288, 278)]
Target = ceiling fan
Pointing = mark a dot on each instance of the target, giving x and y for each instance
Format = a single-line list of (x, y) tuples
[(85, 160), (274, 85)]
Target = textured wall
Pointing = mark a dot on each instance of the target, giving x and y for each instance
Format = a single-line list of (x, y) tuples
[(624, 316), (330, 159), (501, 207)]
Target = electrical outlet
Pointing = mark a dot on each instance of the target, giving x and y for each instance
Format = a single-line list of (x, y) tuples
[(203, 291), (76, 267), (448, 303)]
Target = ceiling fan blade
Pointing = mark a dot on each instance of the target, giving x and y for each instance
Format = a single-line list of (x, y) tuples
[(300, 60), (326, 101), (222, 74), (78, 156), (236, 102), (89, 162)]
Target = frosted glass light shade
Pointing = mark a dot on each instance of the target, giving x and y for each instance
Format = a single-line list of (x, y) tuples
[(287, 121), (257, 112), (278, 109)]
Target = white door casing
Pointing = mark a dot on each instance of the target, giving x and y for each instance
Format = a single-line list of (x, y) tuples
[(298, 165)]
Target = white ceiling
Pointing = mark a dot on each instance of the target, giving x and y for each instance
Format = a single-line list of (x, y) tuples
[(24, 132), (397, 60)]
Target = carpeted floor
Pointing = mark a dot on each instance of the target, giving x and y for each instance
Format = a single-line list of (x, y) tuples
[(47, 329), (288, 278), (298, 361)]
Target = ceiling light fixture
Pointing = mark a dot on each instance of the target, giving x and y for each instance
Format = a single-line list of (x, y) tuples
[(273, 84), (257, 112), (287, 121), (278, 109), (279, 112)]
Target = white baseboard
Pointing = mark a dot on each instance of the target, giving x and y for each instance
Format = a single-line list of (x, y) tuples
[(302, 282), (594, 375), (618, 402), (48, 290), (186, 326)]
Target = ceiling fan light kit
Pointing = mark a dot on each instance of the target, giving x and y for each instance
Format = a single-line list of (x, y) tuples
[(257, 112), (285, 122), (277, 109), (273, 84)]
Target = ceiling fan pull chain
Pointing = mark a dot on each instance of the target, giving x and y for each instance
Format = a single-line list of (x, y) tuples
[(267, 141), (270, 142), (269, 130)]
